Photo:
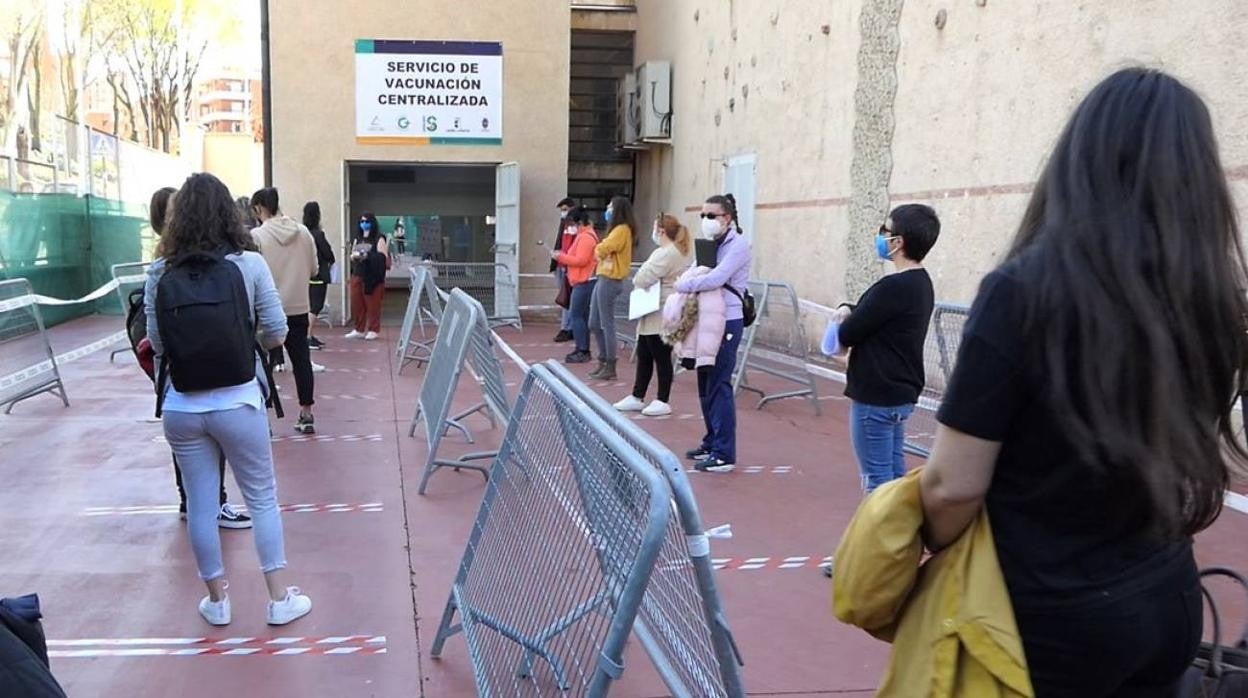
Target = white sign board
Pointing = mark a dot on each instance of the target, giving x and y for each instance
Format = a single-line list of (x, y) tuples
[(428, 92)]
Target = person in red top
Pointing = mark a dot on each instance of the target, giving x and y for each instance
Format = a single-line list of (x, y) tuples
[(578, 259)]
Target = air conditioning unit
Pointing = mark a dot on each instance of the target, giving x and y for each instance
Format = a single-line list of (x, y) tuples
[(654, 89), (628, 111)]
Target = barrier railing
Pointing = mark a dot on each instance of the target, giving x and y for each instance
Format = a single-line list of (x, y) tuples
[(492, 284), (423, 302), (681, 624), (463, 334), (561, 552), (940, 351), (24, 342), (776, 345), (129, 277)]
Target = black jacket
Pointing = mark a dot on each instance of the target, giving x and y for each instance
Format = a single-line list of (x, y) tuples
[(23, 652), (324, 255), (558, 244)]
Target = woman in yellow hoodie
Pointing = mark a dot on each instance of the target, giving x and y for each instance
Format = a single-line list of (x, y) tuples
[(615, 260)]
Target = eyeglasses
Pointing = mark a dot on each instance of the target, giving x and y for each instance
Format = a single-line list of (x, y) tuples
[(884, 230), (712, 216)]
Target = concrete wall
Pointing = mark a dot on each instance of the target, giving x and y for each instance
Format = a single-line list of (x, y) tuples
[(313, 59), (237, 160), (977, 105)]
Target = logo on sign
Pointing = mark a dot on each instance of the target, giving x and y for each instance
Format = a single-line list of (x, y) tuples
[(457, 123), (404, 123), (431, 124), (485, 124), (375, 124)]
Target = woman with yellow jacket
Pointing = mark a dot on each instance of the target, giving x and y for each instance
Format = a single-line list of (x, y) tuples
[(615, 260)]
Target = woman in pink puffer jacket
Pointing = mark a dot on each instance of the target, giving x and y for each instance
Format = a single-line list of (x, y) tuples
[(694, 323)]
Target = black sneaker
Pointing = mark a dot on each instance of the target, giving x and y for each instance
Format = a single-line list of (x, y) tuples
[(563, 336), (229, 518), (315, 344), (578, 357), (714, 464), (306, 424), (826, 568), (698, 453)]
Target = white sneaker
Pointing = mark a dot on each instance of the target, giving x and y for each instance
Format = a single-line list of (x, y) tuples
[(290, 609), (353, 334), (630, 404), (216, 613), (317, 368), (279, 368), (371, 336), (657, 409)]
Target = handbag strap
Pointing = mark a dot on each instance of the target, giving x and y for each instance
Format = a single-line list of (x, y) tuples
[(735, 292), (1215, 659)]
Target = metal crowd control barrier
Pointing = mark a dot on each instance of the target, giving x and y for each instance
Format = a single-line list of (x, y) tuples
[(129, 277), (422, 292), (940, 352), (462, 329), (681, 624), (492, 284), (24, 342), (560, 554), (776, 345)]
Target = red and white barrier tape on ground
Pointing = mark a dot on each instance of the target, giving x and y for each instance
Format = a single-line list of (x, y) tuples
[(218, 647)]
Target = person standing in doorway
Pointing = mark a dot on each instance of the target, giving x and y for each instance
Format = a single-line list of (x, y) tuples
[(369, 261), (615, 264), (318, 288), (885, 333), (664, 266), (211, 395), (400, 236), (290, 251), (718, 451), (563, 240), (578, 259)]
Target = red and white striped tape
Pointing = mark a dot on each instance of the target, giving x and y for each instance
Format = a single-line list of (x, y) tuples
[(218, 647), (367, 508), (767, 563), (308, 438)]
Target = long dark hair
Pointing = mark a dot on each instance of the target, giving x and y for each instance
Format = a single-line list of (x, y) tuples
[(312, 215), (622, 214), (158, 208), (729, 204), (1131, 248), (204, 219)]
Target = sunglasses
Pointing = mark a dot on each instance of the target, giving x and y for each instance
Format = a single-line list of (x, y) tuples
[(711, 216)]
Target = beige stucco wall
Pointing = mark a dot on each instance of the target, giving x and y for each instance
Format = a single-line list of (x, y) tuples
[(977, 107), (236, 159), (313, 86)]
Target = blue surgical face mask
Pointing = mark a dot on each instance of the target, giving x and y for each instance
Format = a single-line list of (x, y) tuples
[(366, 226), (610, 214), (881, 248)]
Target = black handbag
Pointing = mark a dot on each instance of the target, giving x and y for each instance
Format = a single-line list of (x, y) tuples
[(563, 299), (1220, 670), (748, 312)]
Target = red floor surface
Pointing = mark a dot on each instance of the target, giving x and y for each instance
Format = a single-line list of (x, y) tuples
[(89, 513)]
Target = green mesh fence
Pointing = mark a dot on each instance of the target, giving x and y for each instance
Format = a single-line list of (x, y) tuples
[(66, 245)]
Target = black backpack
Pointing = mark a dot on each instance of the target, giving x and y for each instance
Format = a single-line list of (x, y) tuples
[(206, 326)]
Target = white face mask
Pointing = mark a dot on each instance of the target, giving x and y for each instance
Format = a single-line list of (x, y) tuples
[(655, 237), (563, 214), (710, 228)]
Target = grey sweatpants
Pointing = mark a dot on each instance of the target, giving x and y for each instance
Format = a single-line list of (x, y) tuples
[(602, 316), (242, 434)]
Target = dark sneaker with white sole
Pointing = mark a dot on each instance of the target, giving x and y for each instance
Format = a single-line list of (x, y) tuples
[(698, 453), (714, 464), (306, 424), (230, 518)]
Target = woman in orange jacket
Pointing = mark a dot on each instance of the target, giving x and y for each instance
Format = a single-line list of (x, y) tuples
[(581, 264)]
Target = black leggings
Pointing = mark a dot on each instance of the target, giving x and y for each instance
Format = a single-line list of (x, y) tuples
[(652, 353), (1133, 647), (300, 357)]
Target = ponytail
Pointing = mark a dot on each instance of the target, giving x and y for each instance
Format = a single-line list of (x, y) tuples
[(671, 228)]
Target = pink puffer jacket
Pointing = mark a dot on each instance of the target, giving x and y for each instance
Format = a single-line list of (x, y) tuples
[(695, 330)]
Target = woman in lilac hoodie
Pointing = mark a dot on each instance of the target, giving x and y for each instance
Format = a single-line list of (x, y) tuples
[(718, 451)]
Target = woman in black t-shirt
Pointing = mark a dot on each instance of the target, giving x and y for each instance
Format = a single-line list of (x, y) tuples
[(1090, 409)]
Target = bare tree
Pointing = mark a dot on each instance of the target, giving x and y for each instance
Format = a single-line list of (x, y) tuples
[(24, 25)]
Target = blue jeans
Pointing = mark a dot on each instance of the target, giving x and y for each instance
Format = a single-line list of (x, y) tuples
[(719, 409), (879, 437), (242, 436), (581, 297)]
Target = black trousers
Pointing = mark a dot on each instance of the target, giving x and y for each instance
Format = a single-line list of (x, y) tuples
[(177, 476), (300, 357), (1137, 646), (653, 355)]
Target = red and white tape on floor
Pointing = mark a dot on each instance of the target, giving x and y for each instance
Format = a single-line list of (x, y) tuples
[(309, 438), (368, 508), (218, 647), (767, 563)]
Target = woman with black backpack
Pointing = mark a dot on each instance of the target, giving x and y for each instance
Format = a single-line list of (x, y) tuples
[(201, 295)]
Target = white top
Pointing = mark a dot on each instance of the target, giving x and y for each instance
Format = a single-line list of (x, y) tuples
[(216, 400)]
